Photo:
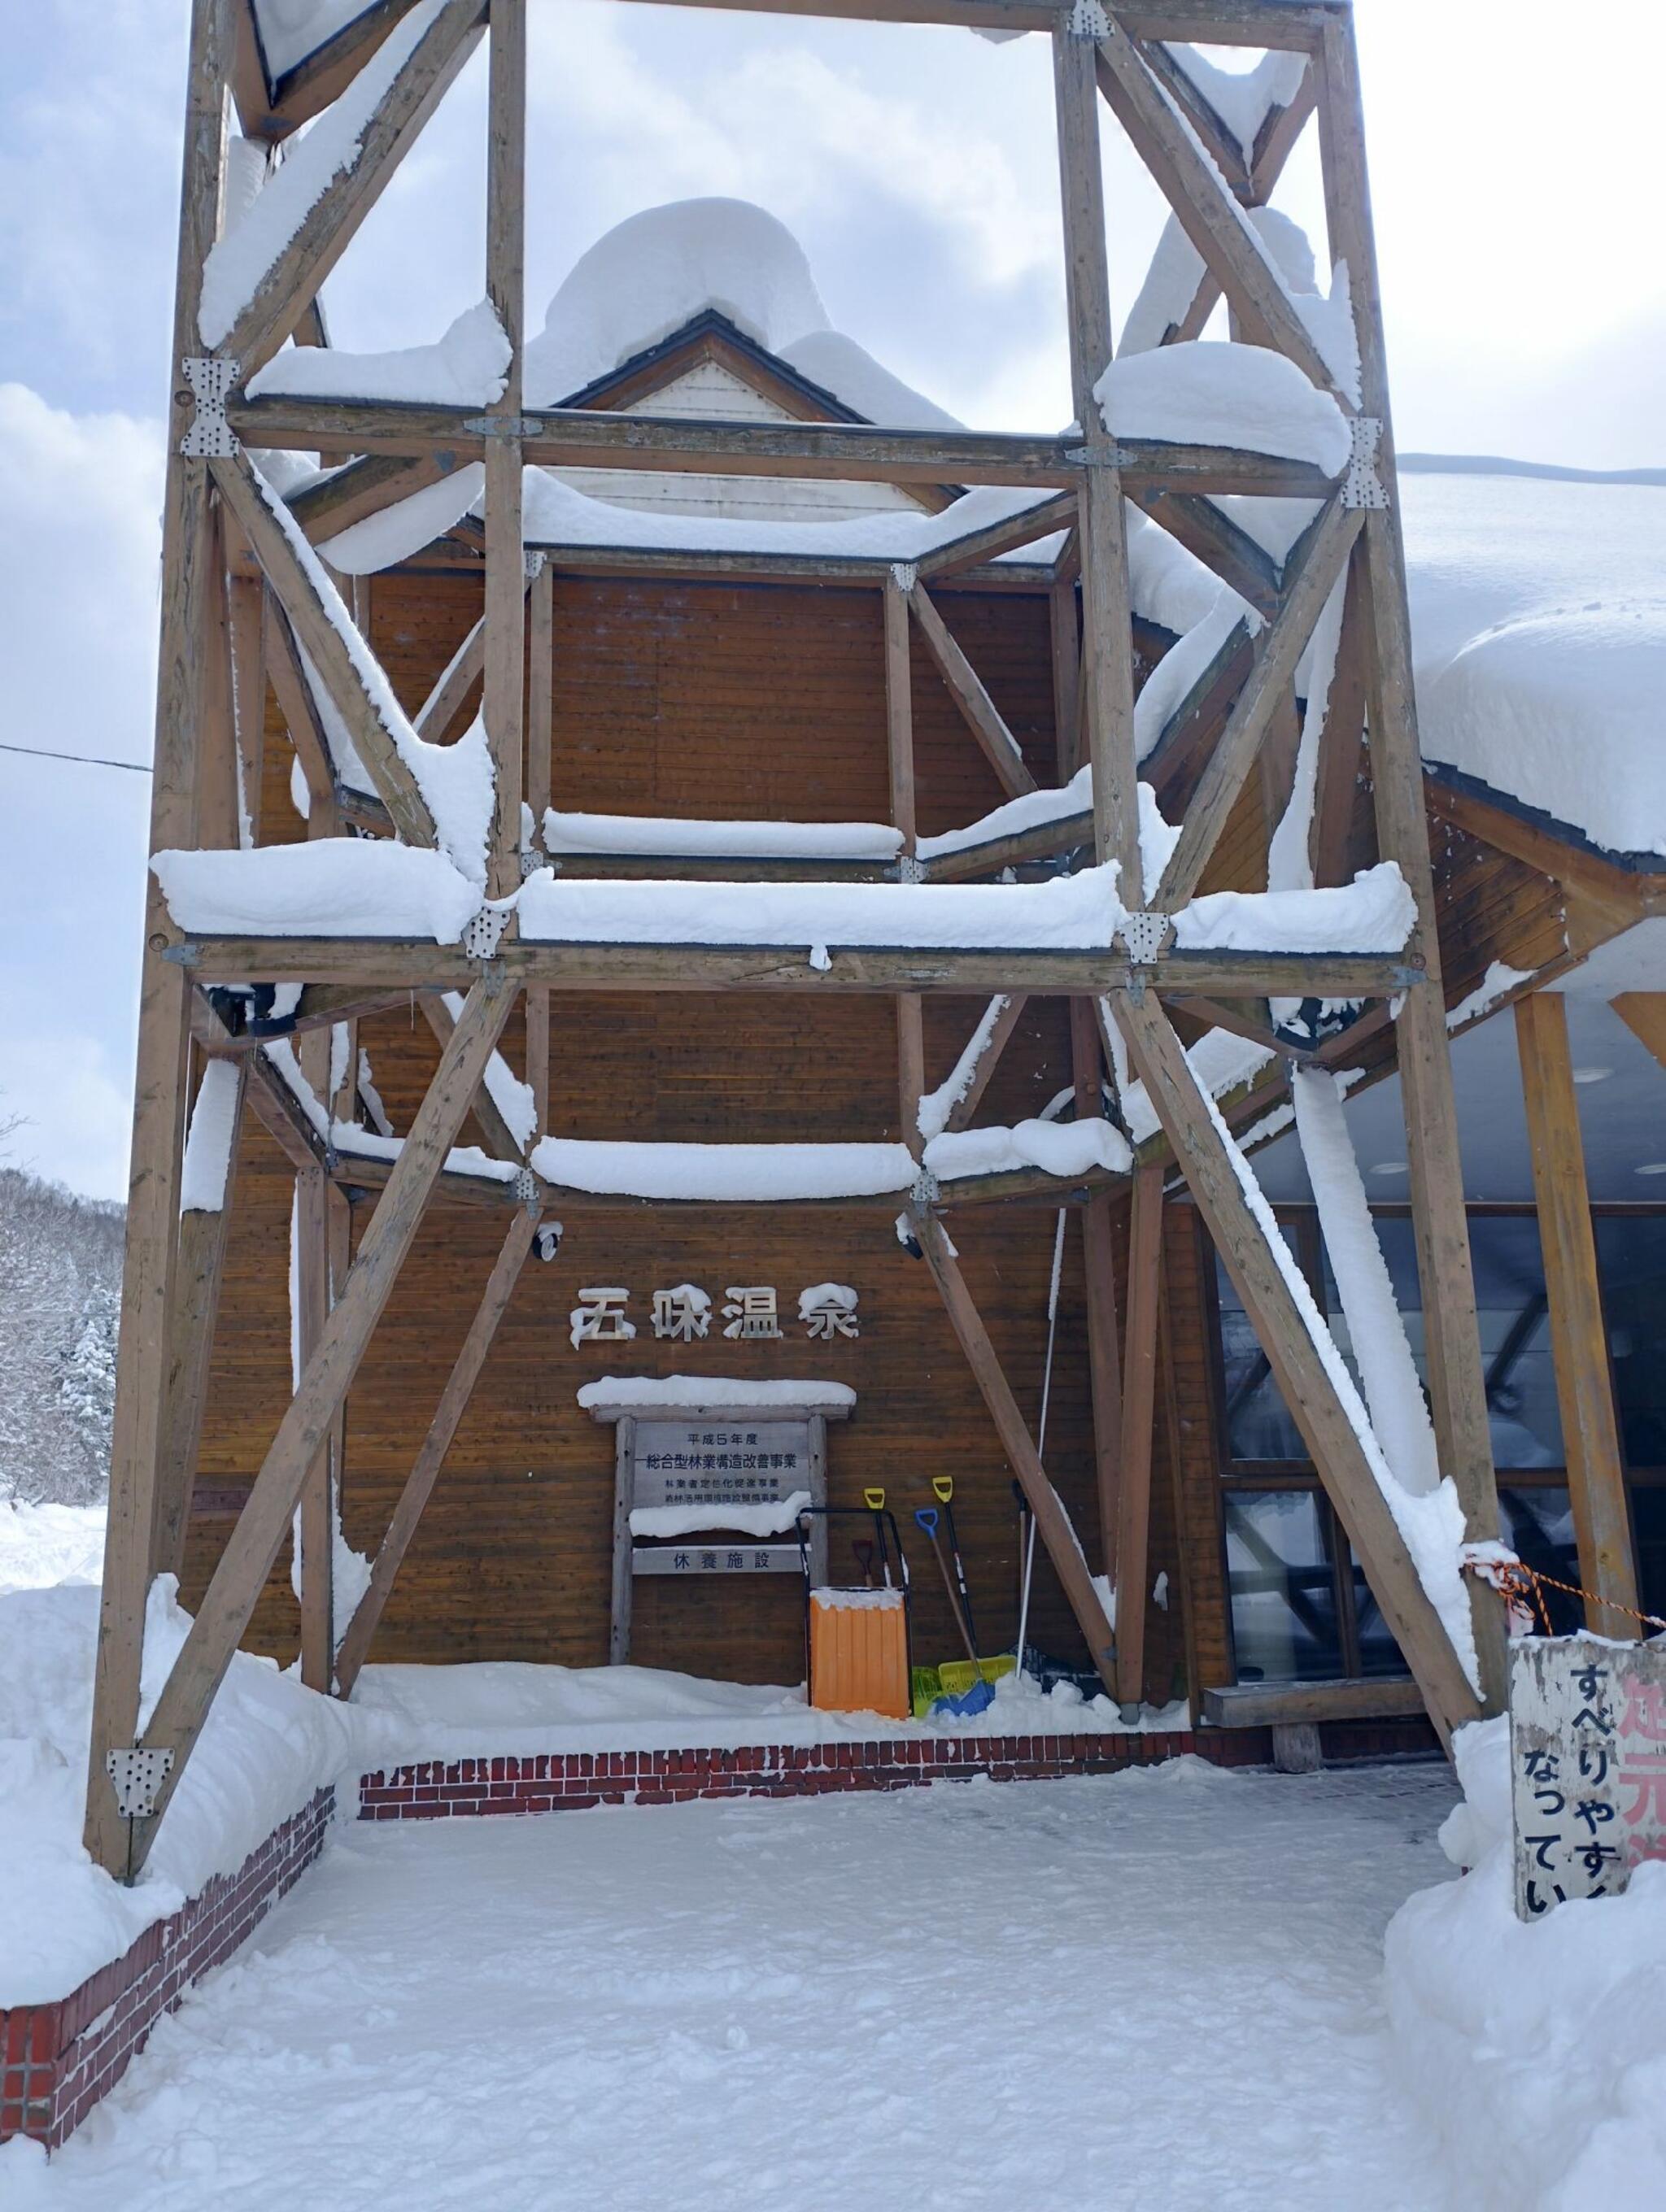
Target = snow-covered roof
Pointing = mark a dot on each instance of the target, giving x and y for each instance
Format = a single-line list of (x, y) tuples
[(657, 271), (1539, 638)]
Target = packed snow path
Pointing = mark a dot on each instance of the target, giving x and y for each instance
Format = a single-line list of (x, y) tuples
[(1155, 1990)]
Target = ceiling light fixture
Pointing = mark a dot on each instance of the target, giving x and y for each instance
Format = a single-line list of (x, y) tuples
[(1592, 1074), (1399, 1167), (1653, 1167)]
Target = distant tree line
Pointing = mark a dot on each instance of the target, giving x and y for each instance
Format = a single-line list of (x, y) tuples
[(60, 1301)]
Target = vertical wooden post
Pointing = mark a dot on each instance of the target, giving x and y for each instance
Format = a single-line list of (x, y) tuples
[(506, 569), (1064, 639), (248, 663), (1579, 1346), (201, 1269), (153, 1203), (540, 717), (1139, 1415), (1098, 1243), (619, 1632), (1107, 636), (1457, 1384), (316, 1533), (820, 1572), (1099, 1287), (899, 752)]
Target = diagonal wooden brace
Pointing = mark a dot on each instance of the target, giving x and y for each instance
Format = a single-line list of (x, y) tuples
[(1199, 1146), (255, 1541), (1052, 1521)]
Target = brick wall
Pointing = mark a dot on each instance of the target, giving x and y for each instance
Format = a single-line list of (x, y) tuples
[(57, 2060), (567, 1782)]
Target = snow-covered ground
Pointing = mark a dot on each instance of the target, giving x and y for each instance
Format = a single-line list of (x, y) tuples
[(1159, 1989)]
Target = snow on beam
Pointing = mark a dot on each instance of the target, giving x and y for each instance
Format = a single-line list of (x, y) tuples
[(270, 263)]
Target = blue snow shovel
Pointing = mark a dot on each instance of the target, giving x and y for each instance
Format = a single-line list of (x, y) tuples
[(981, 1695)]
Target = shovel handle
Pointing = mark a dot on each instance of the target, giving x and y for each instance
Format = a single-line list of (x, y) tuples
[(874, 1500), (943, 1486)]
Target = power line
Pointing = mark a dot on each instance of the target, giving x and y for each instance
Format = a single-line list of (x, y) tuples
[(85, 760)]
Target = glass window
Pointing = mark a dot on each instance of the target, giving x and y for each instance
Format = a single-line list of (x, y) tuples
[(1283, 1586), (1649, 1521), (1515, 1341), (1538, 1524), (1630, 1259), (1378, 1652), (1258, 1423)]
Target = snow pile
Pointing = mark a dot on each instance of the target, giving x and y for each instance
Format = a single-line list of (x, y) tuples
[(397, 532), (1376, 912), (1499, 981), (1432, 1525), (468, 367), (775, 1517), (40, 1545), (1533, 2048), (455, 781), (846, 1599), (1376, 1332), (1164, 690), (555, 514), (851, 373), (731, 1174), (1206, 393), (657, 271), (685, 839), (1539, 644), (1059, 1148), (936, 1106), (690, 1391), (1243, 99), (267, 1746), (1080, 911), (465, 368), (332, 886), (209, 1141), (513, 1098), (241, 258)]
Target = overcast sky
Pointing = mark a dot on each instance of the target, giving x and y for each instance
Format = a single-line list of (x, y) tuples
[(1515, 175)]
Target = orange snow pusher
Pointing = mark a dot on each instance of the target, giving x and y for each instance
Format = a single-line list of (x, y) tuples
[(857, 1637)]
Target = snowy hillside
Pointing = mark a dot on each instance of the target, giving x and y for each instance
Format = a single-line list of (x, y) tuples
[(60, 1290)]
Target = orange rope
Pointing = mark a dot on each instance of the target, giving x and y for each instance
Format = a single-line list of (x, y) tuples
[(1515, 1579)]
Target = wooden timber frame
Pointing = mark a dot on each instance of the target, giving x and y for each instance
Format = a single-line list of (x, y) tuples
[(1105, 52)]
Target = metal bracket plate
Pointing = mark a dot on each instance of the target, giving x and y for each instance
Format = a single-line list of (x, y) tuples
[(531, 863), (1144, 935), (137, 1776), (925, 1190), (482, 935), (533, 562), (1362, 486), (905, 574), (211, 377), (503, 426), (528, 1190), (910, 869), (1088, 20)]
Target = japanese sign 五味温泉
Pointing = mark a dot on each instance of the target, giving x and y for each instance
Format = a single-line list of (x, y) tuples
[(1587, 1765)]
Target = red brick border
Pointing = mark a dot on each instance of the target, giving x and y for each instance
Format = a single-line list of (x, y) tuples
[(566, 1782), (57, 2060), (559, 1782)]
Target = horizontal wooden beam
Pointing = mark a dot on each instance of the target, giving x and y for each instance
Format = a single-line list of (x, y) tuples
[(1042, 841), (334, 503), (1283, 23), (577, 437), (402, 964)]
